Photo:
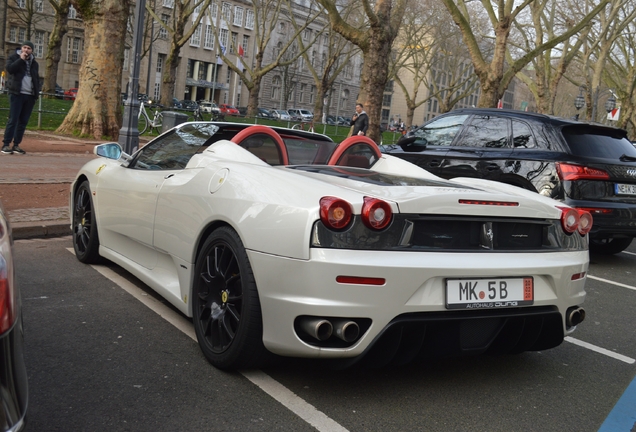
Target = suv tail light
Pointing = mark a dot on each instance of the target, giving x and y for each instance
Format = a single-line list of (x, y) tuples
[(376, 214), (576, 172), (335, 213)]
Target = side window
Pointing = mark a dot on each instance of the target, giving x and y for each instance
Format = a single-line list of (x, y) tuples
[(486, 131), (522, 136), (173, 151), (440, 132)]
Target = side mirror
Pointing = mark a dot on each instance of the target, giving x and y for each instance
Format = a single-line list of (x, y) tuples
[(110, 151), (412, 144)]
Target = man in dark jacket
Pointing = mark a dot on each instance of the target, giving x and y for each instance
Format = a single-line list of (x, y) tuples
[(360, 121), (23, 85)]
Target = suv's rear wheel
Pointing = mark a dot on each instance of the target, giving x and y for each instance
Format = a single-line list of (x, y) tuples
[(609, 246)]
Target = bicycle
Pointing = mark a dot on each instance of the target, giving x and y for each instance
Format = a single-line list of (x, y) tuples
[(144, 121), (301, 126)]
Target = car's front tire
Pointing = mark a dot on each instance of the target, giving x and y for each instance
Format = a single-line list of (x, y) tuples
[(85, 237), (226, 308), (609, 246)]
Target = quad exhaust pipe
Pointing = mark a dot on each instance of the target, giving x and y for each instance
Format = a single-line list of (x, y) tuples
[(322, 328), (574, 316)]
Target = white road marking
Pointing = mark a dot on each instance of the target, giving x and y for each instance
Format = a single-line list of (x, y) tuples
[(600, 350), (629, 253), (612, 282), (280, 393)]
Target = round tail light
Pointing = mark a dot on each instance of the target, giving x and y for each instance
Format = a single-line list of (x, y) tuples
[(569, 219), (585, 222), (335, 213), (376, 214)]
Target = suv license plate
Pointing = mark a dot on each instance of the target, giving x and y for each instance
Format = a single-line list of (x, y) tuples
[(489, 293), (625, 189)]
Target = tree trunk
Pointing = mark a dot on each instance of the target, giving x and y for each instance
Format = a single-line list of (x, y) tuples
[(96, 111), (54, 52), (170, 77)]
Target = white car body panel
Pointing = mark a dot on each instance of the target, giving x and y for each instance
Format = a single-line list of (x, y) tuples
[(151, 223)]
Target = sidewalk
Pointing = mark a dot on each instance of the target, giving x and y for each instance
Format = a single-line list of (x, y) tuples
[(50, 159)]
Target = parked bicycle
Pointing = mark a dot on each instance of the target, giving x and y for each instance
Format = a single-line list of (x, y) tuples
[(144, 121)]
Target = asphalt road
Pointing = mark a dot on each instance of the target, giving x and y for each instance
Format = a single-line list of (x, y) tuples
[(99, 359)]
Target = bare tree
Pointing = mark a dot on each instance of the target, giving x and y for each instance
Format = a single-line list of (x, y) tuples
[(494, 72), (184, 12), (373, 32), (54, 49), (96, 111)]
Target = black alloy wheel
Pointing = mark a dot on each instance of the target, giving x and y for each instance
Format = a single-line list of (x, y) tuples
[(609, 246), (226, 307), (85, 237)]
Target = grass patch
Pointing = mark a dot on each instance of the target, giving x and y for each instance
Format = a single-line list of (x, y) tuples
[(48, 115)]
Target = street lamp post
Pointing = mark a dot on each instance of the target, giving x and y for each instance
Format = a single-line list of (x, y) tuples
[(579, 102), (129, 133), (610, 104)]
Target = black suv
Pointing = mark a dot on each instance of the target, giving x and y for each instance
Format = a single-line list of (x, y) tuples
[(585, 165)]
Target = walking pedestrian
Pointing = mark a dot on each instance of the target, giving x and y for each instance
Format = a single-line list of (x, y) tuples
[(23, 86), (360, 121)]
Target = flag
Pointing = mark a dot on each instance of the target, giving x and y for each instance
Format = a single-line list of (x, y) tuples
[(500, 104), (614, 114), (239, 62), (219, 60), (241, 52)]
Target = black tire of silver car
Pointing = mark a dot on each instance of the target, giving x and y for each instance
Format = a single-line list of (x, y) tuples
[(609, 246), (85, 237), (226, 308)]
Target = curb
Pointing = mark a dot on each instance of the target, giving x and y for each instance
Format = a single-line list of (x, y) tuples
[(44, 229)]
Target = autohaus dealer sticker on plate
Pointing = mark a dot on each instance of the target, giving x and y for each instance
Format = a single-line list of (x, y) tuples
[(489, 293)]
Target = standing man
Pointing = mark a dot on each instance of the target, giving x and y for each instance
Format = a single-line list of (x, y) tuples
[(360, 121), (23, 86)]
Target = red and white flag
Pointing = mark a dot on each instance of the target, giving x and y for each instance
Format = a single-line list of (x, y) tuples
[(500, 104), (241, 53)]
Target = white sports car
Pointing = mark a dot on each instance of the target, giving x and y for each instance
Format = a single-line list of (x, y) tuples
[(282, 241)]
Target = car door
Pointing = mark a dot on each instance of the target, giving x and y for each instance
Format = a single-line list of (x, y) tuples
[(433, 141), (482, 150), (128, 196)]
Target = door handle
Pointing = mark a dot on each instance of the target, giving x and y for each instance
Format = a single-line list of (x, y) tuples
[(434, 163), (168, 176)]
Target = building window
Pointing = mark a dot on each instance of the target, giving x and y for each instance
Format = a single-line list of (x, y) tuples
[(345, 99), (208, 41), (22, 34), (214, 11), (281, 27), (223, 35), (13, 31), (195, 39), (38, 43), (168, 3), (249, 19), (312, 95), (39, 5), (276, 88), (313, 58), (238, 16), (157, 92), (307, 34), (73, 50), (245, 44), (229, 75), (161, 58), (226, 12), (233, 44), (301, 93), (163, 32), (21, 3), (72, 13)]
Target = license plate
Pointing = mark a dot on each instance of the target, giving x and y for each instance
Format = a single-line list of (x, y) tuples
[(624, 189), (489, 293)]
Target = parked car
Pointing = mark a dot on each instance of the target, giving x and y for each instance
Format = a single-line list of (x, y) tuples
[(332, 120), (176, 103), (281, 114), (301, 114), (228, 110), (263, 113), (281, 241), (242, 111), (189, 105), (59, 92), (586, 166), (209, 107), (70, 94), (13, 375)]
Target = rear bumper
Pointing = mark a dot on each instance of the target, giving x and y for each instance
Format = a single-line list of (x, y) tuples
[(13, 380)]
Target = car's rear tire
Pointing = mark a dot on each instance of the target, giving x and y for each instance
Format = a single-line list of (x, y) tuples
[(609, 246), (226, 308), (85, 236)]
